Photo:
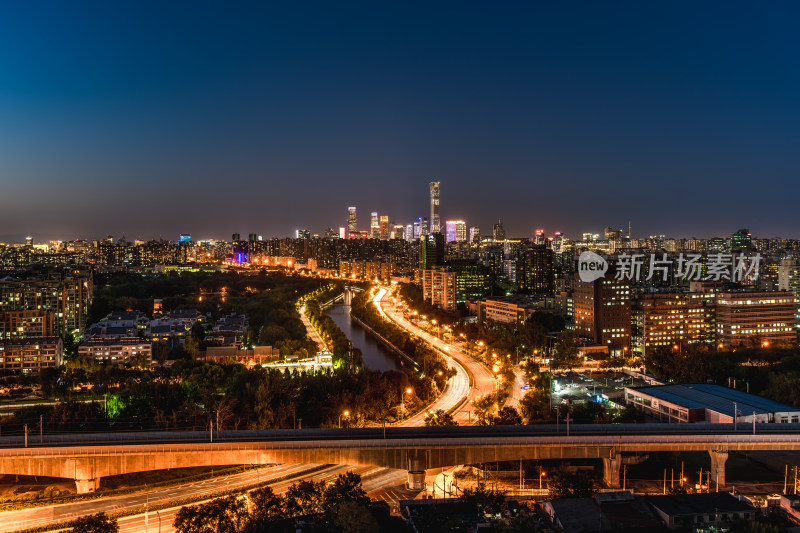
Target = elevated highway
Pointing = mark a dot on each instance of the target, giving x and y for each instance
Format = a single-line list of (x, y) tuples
[(87, 458)]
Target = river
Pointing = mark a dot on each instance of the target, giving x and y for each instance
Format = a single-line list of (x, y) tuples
[(375, 356)]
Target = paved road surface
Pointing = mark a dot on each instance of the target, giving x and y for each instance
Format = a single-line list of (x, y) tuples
[(517, 392), (382, 483), (483, 380), (310, 329)]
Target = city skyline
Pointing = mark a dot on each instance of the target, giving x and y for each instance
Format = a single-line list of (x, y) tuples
[(274, 117)]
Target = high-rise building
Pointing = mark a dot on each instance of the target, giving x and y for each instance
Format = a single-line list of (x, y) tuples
[(236, 237), (789, 276), (374, 225), (538, 237), (431, 251), (603, 313), (670, 318), (409, 236), (475, 234), (536, 269), (558, 242), (352, 223), (383, 228), (455, 231), (342, 232), (742, 240), (398, 231), (498, 232), (439, 288), (436, 226)]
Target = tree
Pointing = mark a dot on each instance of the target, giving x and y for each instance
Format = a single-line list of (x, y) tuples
[(629, 415), (223, 515), (564, 484), (565, 352), (96, 523), (346, 488), (267, 505), (304, 498), (486, 500), (535, 406), (351, 517), (507, 416), (439, 418)]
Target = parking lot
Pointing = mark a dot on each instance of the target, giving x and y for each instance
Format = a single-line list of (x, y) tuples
[(601, 387)]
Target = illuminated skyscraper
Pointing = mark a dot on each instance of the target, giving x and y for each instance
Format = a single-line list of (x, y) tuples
[(352, 225), (374, 225), (383, 228), (475, 234), (436, 226), (455, 230)]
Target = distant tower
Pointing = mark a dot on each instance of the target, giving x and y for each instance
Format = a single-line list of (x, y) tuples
[(436, 226), (374, 225), (236, 237), (352, 225), (499, 233)]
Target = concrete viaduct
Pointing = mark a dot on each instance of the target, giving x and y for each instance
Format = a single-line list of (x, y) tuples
[(87, 458)]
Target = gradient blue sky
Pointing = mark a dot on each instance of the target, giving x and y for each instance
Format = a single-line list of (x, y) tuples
[(153, 118)]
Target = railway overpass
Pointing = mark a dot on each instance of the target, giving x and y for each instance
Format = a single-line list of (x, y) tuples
[(88, 457)]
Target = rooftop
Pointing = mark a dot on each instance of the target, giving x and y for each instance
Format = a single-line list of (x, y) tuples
[(714, 397)]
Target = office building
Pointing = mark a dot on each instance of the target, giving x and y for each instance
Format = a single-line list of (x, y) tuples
[(431, 251), (374, 225), (352, 223), (475, 234), (498, 232), (673, 319), (383, 228), (755, 318), (435, 221), (456, 231), (535, 270), (603, 313)]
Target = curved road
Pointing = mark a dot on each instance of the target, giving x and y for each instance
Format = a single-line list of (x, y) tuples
[(483, 382), (373, 479)]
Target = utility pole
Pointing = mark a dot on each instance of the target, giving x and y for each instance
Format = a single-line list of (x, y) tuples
[(624, 476), (665, 481), (41, 430), (211, 430), (26, 435)]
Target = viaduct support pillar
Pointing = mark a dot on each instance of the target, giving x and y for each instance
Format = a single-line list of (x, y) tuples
[(718, 458), (86, 479), (417, 464), (611, 466)]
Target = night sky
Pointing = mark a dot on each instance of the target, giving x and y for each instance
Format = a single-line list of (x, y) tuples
[(152, 119)]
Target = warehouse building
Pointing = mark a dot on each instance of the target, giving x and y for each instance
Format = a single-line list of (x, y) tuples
[(703, 402)]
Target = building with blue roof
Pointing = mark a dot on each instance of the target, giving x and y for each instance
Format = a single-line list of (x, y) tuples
[(703, 402)]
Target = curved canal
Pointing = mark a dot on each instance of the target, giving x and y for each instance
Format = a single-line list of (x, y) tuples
[(375, 356)]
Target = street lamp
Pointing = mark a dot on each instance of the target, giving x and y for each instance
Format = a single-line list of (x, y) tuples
[(409, 390), (541, 475), (344, 413)]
